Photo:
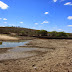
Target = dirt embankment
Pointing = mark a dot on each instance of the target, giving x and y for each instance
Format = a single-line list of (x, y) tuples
[(4, 37), (58, 58), (7, 38)]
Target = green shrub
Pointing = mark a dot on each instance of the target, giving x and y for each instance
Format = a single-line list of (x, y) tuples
[(62, 34), (22, 33), (42, 33), (54, 33)]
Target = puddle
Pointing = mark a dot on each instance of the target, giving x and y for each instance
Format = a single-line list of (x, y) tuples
[(17, 52), (12, 44)]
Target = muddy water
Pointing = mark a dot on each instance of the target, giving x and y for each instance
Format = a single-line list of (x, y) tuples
[(17, 52), (12, 44)]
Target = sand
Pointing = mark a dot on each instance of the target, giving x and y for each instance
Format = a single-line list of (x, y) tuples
[(7, 38), (56, 58)]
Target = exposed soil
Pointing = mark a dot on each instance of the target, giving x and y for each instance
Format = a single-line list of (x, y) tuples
[(5, 37), (4, 50), (56, 58)]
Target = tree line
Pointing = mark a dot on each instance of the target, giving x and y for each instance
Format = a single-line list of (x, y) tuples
[(34, 33), (52, 34)]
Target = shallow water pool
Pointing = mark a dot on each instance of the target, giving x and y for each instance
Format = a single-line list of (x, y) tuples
[(12, 44)]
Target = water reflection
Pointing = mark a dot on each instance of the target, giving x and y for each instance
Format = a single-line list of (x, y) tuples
[(11, 44)]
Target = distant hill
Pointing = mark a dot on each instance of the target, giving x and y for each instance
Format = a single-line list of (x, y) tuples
[(17, 31)]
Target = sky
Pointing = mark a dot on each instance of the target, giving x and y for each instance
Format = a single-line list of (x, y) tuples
[(50, 15)]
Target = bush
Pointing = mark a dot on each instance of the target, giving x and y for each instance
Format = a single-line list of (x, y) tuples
[(54, 33), (42, 33), (22, 33), (62, 34)]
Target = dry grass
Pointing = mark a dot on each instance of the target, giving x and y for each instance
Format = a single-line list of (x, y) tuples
[(6, 37)]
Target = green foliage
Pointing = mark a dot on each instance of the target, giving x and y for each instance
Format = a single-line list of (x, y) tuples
[(62, 34), (58, 34), (54, 33), (18, 31), (25, 33), (32, 32), (22, 33), (42, 33)]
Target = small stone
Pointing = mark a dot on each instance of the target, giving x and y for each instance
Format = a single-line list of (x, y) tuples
[(33, 65)]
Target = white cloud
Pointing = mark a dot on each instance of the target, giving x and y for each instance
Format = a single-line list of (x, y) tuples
[(59, 29), (44, 22), (69, 17), (21, 22), (5, 22), (11, 25), (3, 5), (46, 12), (36, 23), (69, 25), (41, 23), (0, 18), (68, 3), (2, 26), (4, 19), (55, 0)]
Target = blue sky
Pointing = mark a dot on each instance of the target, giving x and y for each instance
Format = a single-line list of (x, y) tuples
[(50, 15)]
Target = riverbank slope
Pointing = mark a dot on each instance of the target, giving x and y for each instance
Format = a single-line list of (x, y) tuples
[(5, 37)]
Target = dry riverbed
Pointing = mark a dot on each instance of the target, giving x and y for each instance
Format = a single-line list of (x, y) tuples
[(57, 57)]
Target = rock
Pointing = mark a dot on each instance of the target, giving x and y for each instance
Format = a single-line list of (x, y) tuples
[(33, 65)]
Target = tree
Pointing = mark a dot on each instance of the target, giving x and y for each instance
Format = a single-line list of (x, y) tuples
[(42, 33), (62, 34), (54, 33), (22, 33)]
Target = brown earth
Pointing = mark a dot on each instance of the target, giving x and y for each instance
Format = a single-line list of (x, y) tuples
[(57, 58), (5, 37)]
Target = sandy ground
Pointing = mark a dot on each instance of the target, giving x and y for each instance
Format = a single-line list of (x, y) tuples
[(6, 37), (57, 58)]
